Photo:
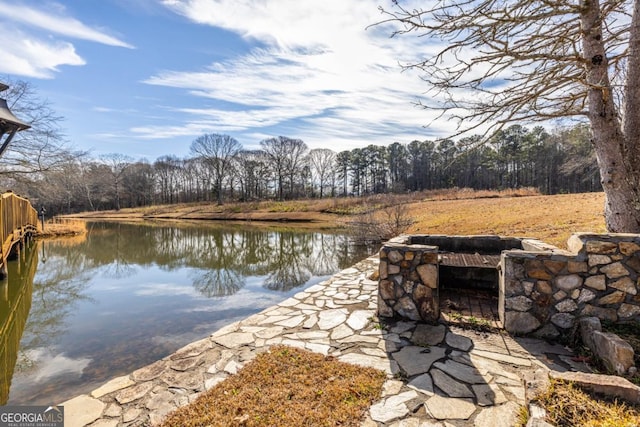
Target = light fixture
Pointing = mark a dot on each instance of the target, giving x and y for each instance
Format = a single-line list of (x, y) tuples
[(9, 124)]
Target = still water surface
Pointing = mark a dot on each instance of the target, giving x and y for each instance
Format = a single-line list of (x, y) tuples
[(125, 295)]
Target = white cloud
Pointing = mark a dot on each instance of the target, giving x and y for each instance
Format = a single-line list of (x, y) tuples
[(164, 289), (320, 72), (283, 22), (104, 109), (31, 44), (57, 23), (27, 56), (243, 299)]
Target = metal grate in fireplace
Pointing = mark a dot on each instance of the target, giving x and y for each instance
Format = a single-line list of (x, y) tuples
[(468, 260)]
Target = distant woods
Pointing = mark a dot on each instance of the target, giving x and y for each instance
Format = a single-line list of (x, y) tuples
[(220, 169), (40, 165)]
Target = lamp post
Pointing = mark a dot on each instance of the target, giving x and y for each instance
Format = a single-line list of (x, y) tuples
[(42, 212), (9, 124)]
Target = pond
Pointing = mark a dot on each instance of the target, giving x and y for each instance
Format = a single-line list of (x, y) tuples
[(75, 313)]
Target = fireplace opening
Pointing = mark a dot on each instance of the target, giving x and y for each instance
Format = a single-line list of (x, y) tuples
[(468, 275), (468, 287)]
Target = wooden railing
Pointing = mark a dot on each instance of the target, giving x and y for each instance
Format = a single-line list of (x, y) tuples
[(17, 218)]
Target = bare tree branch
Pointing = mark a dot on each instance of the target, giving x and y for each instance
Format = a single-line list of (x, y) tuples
[(513, 61)]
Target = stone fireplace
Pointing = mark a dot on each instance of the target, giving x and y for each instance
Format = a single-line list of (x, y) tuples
[(541, 289)]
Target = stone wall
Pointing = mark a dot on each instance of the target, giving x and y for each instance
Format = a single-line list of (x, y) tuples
[(408, 284), (544, 293), (543, 290)]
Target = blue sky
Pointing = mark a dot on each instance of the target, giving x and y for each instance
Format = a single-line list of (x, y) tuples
[(147, 77)]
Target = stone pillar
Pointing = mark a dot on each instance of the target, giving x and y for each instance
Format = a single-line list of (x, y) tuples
[(539, 292), (408, 284)]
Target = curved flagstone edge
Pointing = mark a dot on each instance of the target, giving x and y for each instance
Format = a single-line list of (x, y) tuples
[(435, 373)]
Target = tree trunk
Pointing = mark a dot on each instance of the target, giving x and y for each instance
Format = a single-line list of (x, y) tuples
[(219, 190), (117, 196), (618, 171), (631, 147)]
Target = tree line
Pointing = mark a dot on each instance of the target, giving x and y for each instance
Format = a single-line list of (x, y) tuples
[(219, 169), (40, 165)]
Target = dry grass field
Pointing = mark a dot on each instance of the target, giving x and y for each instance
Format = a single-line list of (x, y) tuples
[(568, 405), (70, 229), (286, 387), (549, 218), (523, 213)]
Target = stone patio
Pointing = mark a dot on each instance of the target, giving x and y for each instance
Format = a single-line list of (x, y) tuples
[(437, 375)]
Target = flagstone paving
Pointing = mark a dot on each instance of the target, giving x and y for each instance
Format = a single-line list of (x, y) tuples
[(437, 375)]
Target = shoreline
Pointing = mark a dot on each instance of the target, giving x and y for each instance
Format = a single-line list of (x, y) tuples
[(298, 219), (552, 219), (337, 318)]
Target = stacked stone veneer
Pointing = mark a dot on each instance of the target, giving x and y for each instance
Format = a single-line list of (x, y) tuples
[(408, 285), (544, 293), (543, 290)]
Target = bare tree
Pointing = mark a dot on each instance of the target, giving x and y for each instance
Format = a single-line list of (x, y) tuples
[(41, 148), (118, 164), (286, 156), (323, 166), (374, 226), (95, 178), (166, 169), (217, 151), (138, 183), (253, 174), (296, 163), (513, 61), (86, 183)]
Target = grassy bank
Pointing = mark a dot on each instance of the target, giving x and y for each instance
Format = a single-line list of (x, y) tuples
[(62, 228), (549, 218), (288, 387), (515, 212)]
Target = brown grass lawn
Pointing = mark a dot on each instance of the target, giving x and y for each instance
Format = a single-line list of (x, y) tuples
[(568, 405), (522, 213), (549, 218), (286, 387), (63, 228)]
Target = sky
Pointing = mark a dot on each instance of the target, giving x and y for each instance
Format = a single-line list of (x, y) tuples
[(146, 77)]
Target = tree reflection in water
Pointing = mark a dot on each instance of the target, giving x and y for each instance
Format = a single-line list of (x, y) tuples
[(222, 257), (36, 316), (59, 286), (71, 341), (217, 283)]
